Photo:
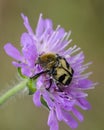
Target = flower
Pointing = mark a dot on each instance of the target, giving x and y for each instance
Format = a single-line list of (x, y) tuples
[(62, 104)]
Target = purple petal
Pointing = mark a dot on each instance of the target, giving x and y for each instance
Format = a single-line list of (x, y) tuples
[(52, 121), (78, 94), (83, 103), (59, 35), (26, 39), (26, 71), (36, 98), (48, 99), (48, 23), (17, 64), (85, 84), (58, 112), (69, 120), (39, 82), (77, 114), (48, 28), (27, 25), (77, 59), (29, 50), (12, 51), (64, 102), (40, 26)]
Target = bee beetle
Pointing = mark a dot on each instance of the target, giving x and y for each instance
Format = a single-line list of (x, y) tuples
[(56, 67)]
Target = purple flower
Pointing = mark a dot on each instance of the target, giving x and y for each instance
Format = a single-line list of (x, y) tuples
[(62, 104)]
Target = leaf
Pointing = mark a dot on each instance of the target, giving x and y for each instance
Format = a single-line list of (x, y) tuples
[(31, 86), (44, 102), (20, 73)]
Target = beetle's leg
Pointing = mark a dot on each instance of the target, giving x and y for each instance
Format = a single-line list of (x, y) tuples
[(50, 81), (38, 74), (59, 86)]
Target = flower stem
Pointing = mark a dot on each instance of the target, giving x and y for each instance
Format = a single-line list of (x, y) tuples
[(13, 91)]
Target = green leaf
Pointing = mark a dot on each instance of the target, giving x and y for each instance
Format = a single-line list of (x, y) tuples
[(31, 86), (20, 73), (44, 102)]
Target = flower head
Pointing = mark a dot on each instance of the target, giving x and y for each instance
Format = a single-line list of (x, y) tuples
[(61, 102)]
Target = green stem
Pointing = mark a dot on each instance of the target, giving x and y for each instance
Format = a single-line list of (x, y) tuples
[(13, 91)]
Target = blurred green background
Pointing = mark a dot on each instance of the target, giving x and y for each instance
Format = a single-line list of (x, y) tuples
[(86, 20)]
